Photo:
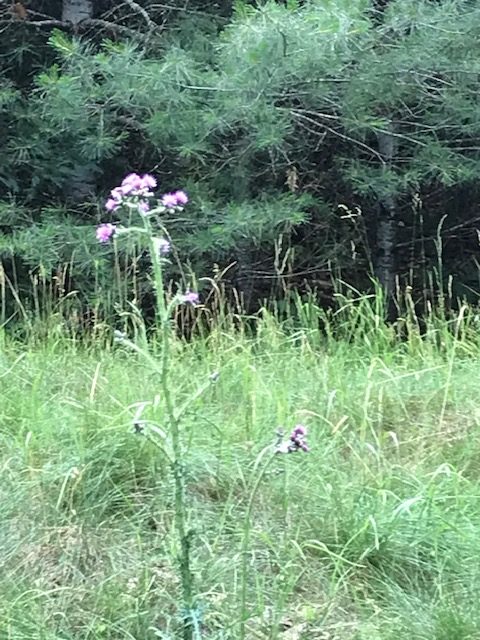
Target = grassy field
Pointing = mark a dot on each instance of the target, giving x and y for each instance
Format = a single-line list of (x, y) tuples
[(373, 535)]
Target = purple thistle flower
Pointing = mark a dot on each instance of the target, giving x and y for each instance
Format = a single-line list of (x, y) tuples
[(148, 181), (162, 246), (299, 430), (132, 181), (181, 197), (127, 189), (190, 297), (296, 441), (137, 185), (112, 204), (118, 193), (143, 207), (169, 200), (105, 232)]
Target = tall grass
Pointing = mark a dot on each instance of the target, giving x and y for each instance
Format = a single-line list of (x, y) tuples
[(374, 534)]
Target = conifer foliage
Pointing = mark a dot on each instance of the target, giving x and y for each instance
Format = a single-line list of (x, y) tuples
[(315, 135)]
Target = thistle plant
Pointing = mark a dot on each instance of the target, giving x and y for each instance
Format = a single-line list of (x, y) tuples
[(297, 441), (135, 196)]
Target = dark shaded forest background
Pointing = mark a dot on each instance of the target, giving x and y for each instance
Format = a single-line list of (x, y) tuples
[(319, 141)]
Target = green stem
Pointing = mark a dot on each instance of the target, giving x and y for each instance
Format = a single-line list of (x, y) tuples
[(180, 493), (181, 521), (160, 304)]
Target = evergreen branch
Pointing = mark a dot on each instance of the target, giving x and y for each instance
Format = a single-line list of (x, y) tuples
[(343, 136), (129, 121), (94, 22), (184, 9), (50, 22), (38, 14), (67, 25), (138, 9), (60, 24), (401, 136), (376, 129)]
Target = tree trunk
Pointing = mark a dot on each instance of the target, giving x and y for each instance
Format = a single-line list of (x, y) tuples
[(81, 184), (387, 220), (75, 11)]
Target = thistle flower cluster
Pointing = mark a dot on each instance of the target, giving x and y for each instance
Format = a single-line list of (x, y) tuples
[(162, 246), (105, 232), (134, 186), (136, 193), (174, 200), (190, 297), (297, 441)]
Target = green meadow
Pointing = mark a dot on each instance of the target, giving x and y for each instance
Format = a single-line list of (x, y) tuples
[(374, 534)]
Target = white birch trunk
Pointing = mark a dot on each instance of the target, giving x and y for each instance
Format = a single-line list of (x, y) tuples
[(75, 11)]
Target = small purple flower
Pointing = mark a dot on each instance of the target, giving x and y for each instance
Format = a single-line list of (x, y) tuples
[(105, 232), (133, 181), (190, 297), (299, 430), (181, 197), (296, 442), (118, 193), (148, 181), (162, 246), (169, 200), (143, 207), (297, 438), (133, 184), (111, 204)]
